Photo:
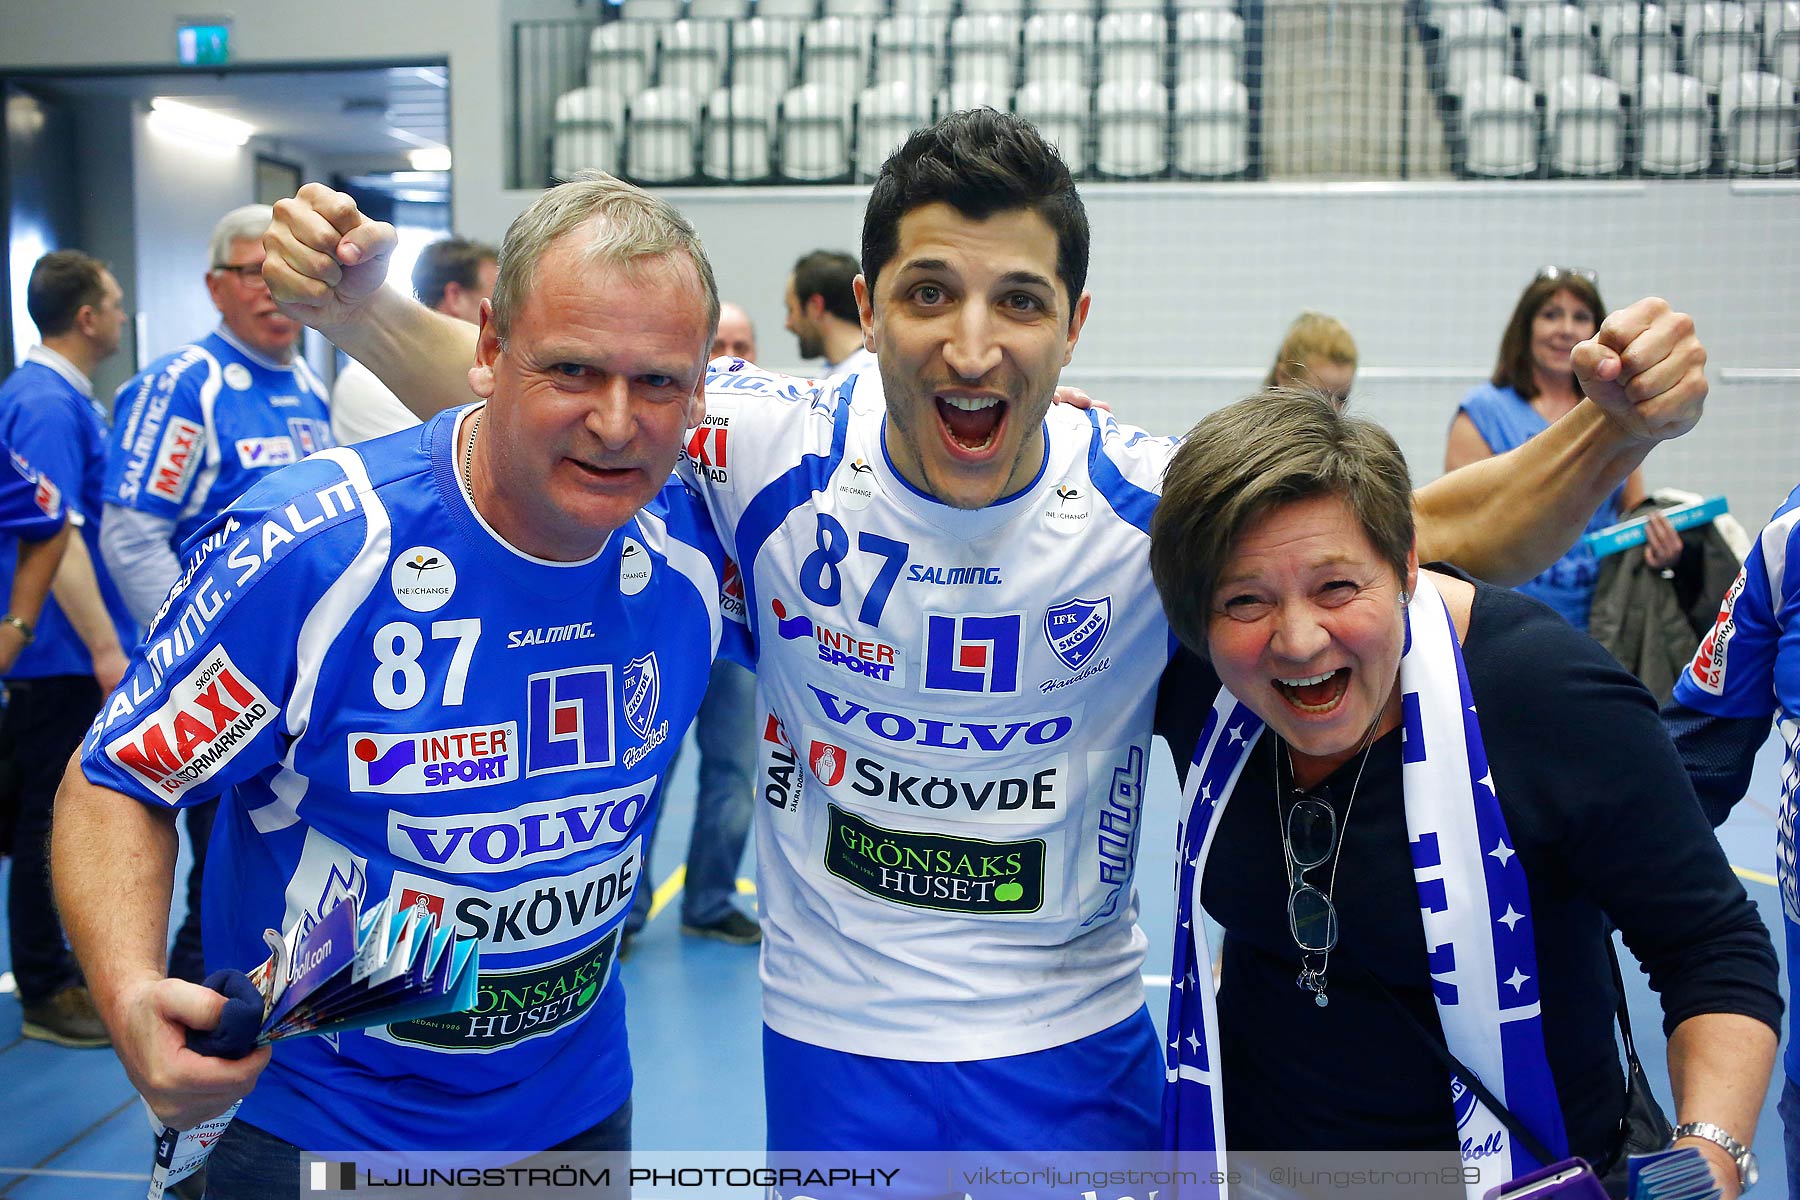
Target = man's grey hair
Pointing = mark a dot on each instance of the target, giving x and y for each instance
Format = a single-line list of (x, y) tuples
[(632, 225), (246, 224)]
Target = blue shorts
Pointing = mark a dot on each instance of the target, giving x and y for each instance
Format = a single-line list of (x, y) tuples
[(1103, 1092)]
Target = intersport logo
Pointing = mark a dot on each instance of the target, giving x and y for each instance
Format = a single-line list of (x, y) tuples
[(439, 760)]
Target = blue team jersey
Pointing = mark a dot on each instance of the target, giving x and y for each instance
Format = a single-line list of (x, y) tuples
[(395, 703), (31, 505), (49, 420), (198, 427), (1749, 666)]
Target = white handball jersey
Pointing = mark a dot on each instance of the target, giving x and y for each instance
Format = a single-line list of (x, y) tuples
[(954, 728)]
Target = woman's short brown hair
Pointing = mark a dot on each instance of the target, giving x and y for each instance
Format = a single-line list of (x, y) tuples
[(1248, 458)]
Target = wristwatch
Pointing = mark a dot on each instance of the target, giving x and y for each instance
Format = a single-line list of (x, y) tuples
[(1740, 1153), (20, 624)]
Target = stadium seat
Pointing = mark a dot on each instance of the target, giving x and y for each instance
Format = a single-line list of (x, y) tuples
[(718, 10), (1131, 126), (1134, 45), (1558, 44), (1781, 37), (940, 9), (801, 11), (664, 124), (1586, 126), (1634, 42), (907, 49), (1209, 44), (589, 124), (619, 55), (1475, 45), (1083, 8), (867, 10), (1125, 6), (762, 55), (815, 133), (835, 53), (885, 115), (1003, 8), (693, 56), (1059, 109), (659, 11), (1184, 5), (1212, 128), (972, 93), (1500, 125), (1756, 115), (985, 47), (1719, 41), (740, 129), (1059, 47), (1675, 126)]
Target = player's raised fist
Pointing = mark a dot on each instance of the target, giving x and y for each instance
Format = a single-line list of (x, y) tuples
[(1646, 369), (325, 258)]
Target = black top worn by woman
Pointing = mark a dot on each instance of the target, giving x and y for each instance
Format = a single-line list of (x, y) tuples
[(1606, 825)]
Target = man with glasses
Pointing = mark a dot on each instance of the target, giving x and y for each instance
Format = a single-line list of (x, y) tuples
[(191, 433), (76, 648)]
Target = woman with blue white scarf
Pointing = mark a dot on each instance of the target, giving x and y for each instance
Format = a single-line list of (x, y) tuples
[(1415, 804)]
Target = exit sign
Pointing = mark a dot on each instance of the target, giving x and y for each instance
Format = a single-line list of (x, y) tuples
[(203, 45)]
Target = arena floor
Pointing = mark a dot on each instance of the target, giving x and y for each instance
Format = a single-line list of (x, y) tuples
[(74, 1128)]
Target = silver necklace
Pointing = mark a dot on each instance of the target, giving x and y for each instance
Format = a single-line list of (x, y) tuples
[(1312, 979), (468, 481)]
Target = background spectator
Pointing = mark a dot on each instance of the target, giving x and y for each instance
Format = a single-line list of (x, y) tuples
[(1533, 384)]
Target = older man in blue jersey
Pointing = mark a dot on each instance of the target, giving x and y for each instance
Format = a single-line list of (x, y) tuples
[(446, 668), (959, 645)]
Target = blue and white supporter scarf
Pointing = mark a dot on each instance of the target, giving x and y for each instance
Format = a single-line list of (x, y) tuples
[(1472, 899)]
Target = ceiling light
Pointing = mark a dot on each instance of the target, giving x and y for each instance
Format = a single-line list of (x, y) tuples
[(430, 158), (197, 124)]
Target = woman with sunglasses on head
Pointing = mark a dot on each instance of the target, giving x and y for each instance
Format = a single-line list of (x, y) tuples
[(1533, 384), (1416, 805)]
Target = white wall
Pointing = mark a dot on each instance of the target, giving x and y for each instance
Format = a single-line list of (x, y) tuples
[(1193, 283)]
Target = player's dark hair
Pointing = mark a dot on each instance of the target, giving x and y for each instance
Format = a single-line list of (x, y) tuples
[(980, 162), (446, 261), (828, 274), (61, 283)]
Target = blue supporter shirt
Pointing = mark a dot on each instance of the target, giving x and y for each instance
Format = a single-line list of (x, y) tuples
[(47, 415), (194, 430), (395, 703), (1748, 665), (1505, 420)]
